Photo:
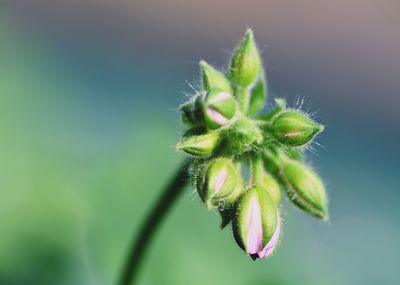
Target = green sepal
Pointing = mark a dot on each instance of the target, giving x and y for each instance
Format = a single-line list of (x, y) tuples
[(258, 95), (280, 104)]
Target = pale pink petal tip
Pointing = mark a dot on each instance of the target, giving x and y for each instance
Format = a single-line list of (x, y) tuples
[(268, 249), (216, 116), (255, 231)]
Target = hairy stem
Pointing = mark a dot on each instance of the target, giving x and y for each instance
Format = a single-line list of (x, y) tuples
[(243, 96), (152, 222)]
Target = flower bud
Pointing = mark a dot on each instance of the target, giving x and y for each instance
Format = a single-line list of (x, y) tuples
[(258, 95), (217, 182), (256, 225), (218, 108), (199, 144), (265, 180), (243, 135), (246, 62), (305, 188), (272, 186), (212, 78), (292, 128)]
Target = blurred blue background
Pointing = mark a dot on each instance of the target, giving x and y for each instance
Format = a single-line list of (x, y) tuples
[(88, 121)]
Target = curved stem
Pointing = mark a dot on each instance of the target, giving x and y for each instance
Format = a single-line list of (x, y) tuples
[(150, 225)]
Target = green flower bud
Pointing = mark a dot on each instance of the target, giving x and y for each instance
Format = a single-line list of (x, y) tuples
[(293, 128), (199, 144), (217, 182), (265, 180), (212, 78), (258, 96), (305, 188), (246, 62), (243, 135), (256, 225)]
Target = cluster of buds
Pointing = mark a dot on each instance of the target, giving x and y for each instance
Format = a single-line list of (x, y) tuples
[(243, 157)]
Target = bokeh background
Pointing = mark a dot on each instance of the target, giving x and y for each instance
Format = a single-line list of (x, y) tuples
[(88, 121)]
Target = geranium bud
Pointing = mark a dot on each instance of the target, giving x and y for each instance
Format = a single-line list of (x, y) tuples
[(217, 182), (199, 144), (246, 62), (272, 187), (218, 108), (212, 78), (256, 225), (264, 179), (305, 188), (293, 128)]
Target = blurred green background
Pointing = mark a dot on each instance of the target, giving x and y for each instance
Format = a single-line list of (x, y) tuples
[(88, 121)]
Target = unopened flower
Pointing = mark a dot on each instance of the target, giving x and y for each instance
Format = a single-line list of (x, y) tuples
[(264, 179), (213, 78), (199, 144), (293, 128), (218, 108), (246, 62), (305, 188), (256, 225), (242, 159), (217, 182)]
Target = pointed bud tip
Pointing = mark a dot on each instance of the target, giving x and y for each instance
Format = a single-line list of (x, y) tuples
[(325, 217), (178, 146), (203, 63), (320, 128), (249, 34)]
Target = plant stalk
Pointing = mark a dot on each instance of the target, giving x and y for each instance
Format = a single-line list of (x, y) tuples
[(152, 223)]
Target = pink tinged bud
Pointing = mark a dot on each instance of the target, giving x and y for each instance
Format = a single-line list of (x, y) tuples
[(293, 128), (217, 182), (216, 117), (255, 232), (256, 226), (271, 245), (220, 180), (218, 108)]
